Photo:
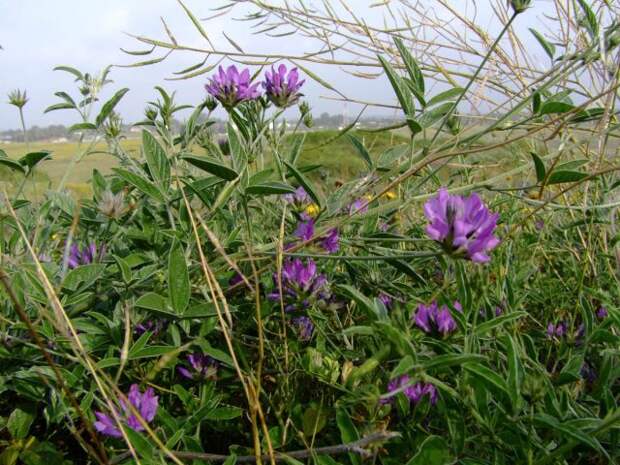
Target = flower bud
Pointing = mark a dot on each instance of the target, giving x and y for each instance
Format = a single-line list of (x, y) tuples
[(520, 5)]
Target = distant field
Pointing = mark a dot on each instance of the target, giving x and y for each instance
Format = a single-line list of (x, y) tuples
[(338, 158)]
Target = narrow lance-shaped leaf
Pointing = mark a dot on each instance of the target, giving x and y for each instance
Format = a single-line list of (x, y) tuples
[(178, 279), (361, 150), (108, 107), (157, 161), (548, 47), (541, 171)]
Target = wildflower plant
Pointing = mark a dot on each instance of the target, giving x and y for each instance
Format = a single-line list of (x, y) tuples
[(440, 288)]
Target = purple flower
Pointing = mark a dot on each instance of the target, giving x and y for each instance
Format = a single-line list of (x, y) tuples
[(305, 327), (385, 299), (149, 325), (300, 197), (588, 373), (415, 393), (539, 225), (282, 88), (202, 366), (231, 87), (602, 313), (434, 319), (359, 206), (463, 225), (418, 391), (331, 242), (305, 230), (84, 256), (146, 404), (301, 285), (557, 330)]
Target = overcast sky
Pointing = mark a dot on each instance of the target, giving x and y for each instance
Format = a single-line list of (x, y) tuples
[(37, 35)]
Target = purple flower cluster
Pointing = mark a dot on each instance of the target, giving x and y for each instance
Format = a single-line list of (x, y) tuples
[(305, 230), (84, 256), (231, 87), (359, 206), (282, 86), (330, 243), (155, 326), (300, 197), (385, 299), (433, 319), (300, 285), (602, 313), (201, 367), (145, 403), (305, 327), (463, 225), (558, 330), (414, 392)]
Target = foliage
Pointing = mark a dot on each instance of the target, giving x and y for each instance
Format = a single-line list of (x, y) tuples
[(221, 297)]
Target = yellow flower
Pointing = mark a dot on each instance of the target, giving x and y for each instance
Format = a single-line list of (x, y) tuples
[(54, 236), (390, 195), (312, 210)]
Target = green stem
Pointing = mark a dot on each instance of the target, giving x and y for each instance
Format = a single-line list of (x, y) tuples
[(473, 79)]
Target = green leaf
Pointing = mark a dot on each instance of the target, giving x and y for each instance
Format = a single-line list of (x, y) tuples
[(142, 184), (85, 274), (487, 375), (541, 171), (591, 20), (151, 351), (142, 445), (552, 107), (568, 430), (82, 127), (547, 46), (365, 304), (11, 164), (269, 188), (361, 150), (431, 116), (123, 268), (448, 360), (19, 423), (305, 183), (157, 161), (498, 321), (405, 366), (415, 74), (59, 106), (108, 107), (348, 432), (32, 159), (515, 370), (560, 176), (68, 69), (450, 94), (536, 102), (433, 451), (212, 165), (298, 144), (224, 413), (155, 303), (178, 279), (399, 89)]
